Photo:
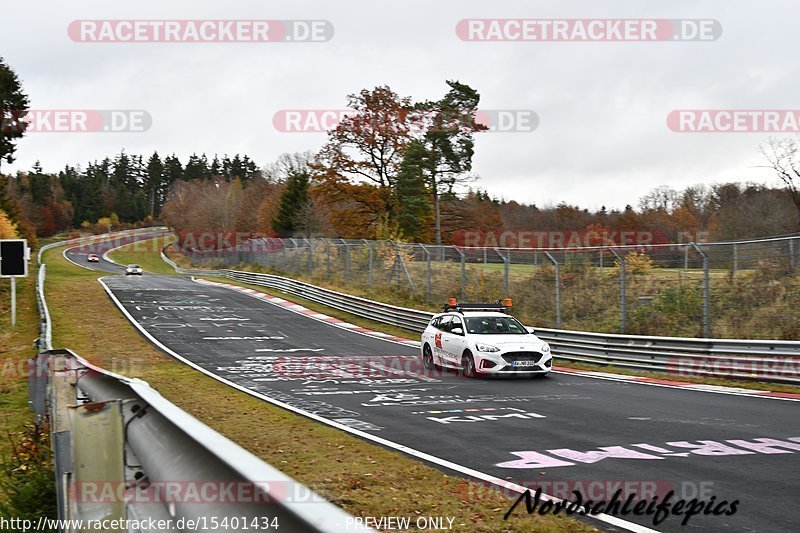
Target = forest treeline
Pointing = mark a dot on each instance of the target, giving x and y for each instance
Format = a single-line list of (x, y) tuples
[(392, 168), (281, 199)]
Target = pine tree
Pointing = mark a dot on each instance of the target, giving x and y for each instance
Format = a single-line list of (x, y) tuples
[(13, 107), (414, 208), (197, 168), (293, 199), (153, 183)]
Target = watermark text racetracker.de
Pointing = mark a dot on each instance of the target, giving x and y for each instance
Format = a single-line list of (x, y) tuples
[(588, 30), (544, 238), (324, 120), (200, 31), (594, 489), (734, 120), (76, 121), (786, 368)]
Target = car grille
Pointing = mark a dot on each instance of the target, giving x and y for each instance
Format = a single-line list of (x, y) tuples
[(510, 357)]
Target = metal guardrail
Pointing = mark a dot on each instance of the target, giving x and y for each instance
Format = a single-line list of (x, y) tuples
[(154, 455), (757, 360)]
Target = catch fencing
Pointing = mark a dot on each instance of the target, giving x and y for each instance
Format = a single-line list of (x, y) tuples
[(744, 289), (125, 455)]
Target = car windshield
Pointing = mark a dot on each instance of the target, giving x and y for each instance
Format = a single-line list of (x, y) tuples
[(133, 266), (495, 325)]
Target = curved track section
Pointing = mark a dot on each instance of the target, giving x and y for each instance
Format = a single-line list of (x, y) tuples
[(566, 432), (79, 255)]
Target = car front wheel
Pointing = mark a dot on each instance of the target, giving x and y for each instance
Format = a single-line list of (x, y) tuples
[(468, 365), (427, 357)]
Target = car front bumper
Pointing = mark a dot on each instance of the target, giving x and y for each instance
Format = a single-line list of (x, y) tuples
[(513, 363)]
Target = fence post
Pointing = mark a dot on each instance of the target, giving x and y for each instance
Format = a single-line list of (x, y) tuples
[(283, 242), (792, 262), (686, 258), (428, 272), (706, 292), (623, 322), (399, 263), (735, 258), (346, 261), (463, 273), (295, 255), (505, 272), (369, 273), (310, 256), (327, 258), (558, 288)]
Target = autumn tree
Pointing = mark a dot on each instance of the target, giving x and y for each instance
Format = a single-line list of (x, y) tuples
[(8, 230), (357, 167), (286, 165), (476, 211), (783, 157)]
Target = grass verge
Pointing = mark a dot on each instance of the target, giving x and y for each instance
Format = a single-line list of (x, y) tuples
[(365, 479), (16, 346), (145, 253)]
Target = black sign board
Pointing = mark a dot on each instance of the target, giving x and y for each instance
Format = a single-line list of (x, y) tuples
[(13, 258)]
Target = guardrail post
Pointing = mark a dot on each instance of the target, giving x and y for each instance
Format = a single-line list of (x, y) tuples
[(735, 258), (623, 321), (558, 288), (792, 262), (427, 273), (505, 272), (706, 292)]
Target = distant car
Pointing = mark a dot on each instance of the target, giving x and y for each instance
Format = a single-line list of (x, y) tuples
[(483, 339), (93, 258), (133, 270)]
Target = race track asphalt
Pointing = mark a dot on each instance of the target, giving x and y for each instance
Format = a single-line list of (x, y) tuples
[(561, 433)]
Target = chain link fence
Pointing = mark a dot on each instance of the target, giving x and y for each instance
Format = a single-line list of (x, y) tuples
[(746, 289)]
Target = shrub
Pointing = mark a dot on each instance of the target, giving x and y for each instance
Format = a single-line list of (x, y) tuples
[(27, 479)]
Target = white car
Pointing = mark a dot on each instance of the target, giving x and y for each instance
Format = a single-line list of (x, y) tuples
[(483, 339), (133, 270)]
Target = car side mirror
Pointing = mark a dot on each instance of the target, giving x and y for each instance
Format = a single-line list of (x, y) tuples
[(457, 331), (530, 329)]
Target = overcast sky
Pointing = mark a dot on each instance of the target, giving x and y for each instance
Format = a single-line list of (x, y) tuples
[(602, 138)]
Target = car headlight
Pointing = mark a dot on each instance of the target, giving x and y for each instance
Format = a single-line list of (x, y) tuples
[(546, 348), (487, 348)]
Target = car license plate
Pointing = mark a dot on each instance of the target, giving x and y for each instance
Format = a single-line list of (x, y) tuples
[(523, 363)]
